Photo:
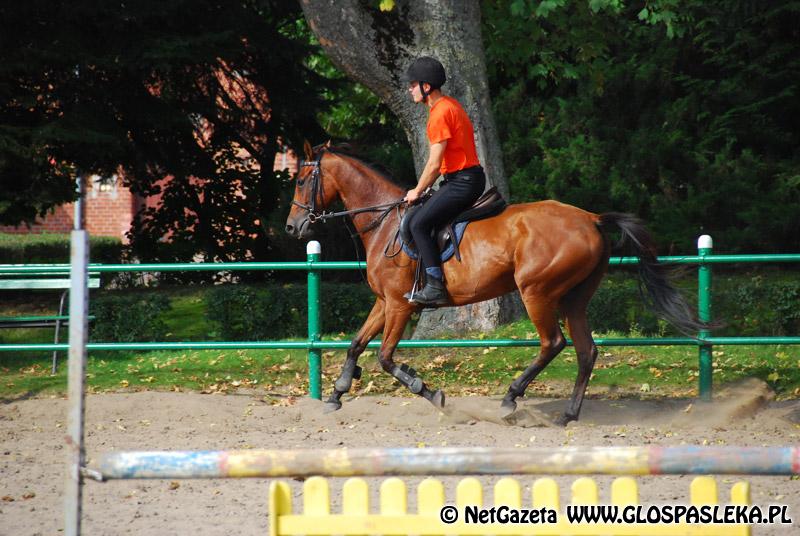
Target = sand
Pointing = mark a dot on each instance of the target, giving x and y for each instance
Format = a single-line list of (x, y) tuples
[(32, 455)]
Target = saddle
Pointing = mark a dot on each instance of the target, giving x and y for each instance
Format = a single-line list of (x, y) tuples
[(491, 203)]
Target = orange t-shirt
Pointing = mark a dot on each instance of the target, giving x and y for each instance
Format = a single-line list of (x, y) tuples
[(448, 121)]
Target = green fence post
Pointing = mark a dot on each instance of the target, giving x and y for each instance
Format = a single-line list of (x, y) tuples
[(313, 251), (704, 246)]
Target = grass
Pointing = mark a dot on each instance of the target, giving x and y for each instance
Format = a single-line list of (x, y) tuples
[(664, 371)]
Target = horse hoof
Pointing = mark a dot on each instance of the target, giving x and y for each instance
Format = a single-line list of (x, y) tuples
[(564, 420), (438, 399), (507, 407), (331, 406)]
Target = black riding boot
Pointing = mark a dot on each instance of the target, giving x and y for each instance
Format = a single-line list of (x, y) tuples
[(434, 293)]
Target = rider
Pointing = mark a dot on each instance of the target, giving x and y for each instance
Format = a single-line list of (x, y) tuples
[(452, 154)]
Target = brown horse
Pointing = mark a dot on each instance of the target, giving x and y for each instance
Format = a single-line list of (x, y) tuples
[(555, 254)]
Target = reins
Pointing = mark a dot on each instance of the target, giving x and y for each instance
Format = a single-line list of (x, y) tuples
[(386, 208)]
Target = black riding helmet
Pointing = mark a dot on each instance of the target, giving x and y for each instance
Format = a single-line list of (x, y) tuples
[(427, 69)]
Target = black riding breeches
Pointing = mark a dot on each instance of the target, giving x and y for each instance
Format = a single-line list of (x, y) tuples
[(457, 193)]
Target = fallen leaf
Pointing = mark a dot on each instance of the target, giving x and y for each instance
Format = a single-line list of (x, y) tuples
[(288, 401), (369, 387)]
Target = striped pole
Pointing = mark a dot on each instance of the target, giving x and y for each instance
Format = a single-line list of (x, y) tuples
[(649, 460)]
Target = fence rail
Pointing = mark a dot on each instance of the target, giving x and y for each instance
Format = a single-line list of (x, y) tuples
[(6, 269), (314, 344)]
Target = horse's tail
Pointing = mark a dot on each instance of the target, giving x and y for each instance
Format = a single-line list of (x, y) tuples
[(654, 282)]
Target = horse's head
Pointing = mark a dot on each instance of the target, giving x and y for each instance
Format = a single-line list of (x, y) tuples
[(311, 196)]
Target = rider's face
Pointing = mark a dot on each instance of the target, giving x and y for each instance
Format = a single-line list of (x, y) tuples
[(415, 90)]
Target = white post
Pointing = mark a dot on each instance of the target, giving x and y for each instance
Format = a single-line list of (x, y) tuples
[(78, 335)]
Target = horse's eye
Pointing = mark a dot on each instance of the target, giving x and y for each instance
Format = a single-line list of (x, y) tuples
[(301, 182)]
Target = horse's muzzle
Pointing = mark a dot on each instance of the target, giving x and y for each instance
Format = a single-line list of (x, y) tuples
[(299, 229)]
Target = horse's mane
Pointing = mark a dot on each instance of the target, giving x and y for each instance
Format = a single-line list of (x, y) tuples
[(346, 149)]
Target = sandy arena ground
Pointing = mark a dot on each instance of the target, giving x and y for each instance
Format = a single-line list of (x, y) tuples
[(32, 450)]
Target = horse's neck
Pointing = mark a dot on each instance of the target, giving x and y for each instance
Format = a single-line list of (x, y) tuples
[(360, 186)]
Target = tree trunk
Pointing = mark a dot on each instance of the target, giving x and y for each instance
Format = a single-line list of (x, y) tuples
[(375, 48)]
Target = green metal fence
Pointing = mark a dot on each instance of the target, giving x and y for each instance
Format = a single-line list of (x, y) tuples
[(704, 259)]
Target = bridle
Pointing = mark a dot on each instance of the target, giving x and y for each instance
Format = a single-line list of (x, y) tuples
[(317, 192)]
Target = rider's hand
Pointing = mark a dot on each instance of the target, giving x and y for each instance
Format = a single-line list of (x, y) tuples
[(412, 196)]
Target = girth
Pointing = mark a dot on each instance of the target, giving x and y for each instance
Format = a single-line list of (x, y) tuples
[(491, 203)]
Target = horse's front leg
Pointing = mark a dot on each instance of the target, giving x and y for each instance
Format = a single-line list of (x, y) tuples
[(350, 370), (397, 315)]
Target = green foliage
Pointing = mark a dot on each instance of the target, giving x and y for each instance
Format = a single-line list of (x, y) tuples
[(47, 248), (758, 304), (693, 128), (671, 13), (275, 312), (128, 317), (250, 313), (618, 306)]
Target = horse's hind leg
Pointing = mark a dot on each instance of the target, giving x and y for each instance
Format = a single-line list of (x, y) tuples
[(396, 319), (350, 370), (543, 316), (586, 351), (574, 306)]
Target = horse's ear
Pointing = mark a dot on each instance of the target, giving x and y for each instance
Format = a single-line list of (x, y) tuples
[(308, 151)]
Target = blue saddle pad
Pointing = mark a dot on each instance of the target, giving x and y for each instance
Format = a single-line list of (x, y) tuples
[(448, 251)]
